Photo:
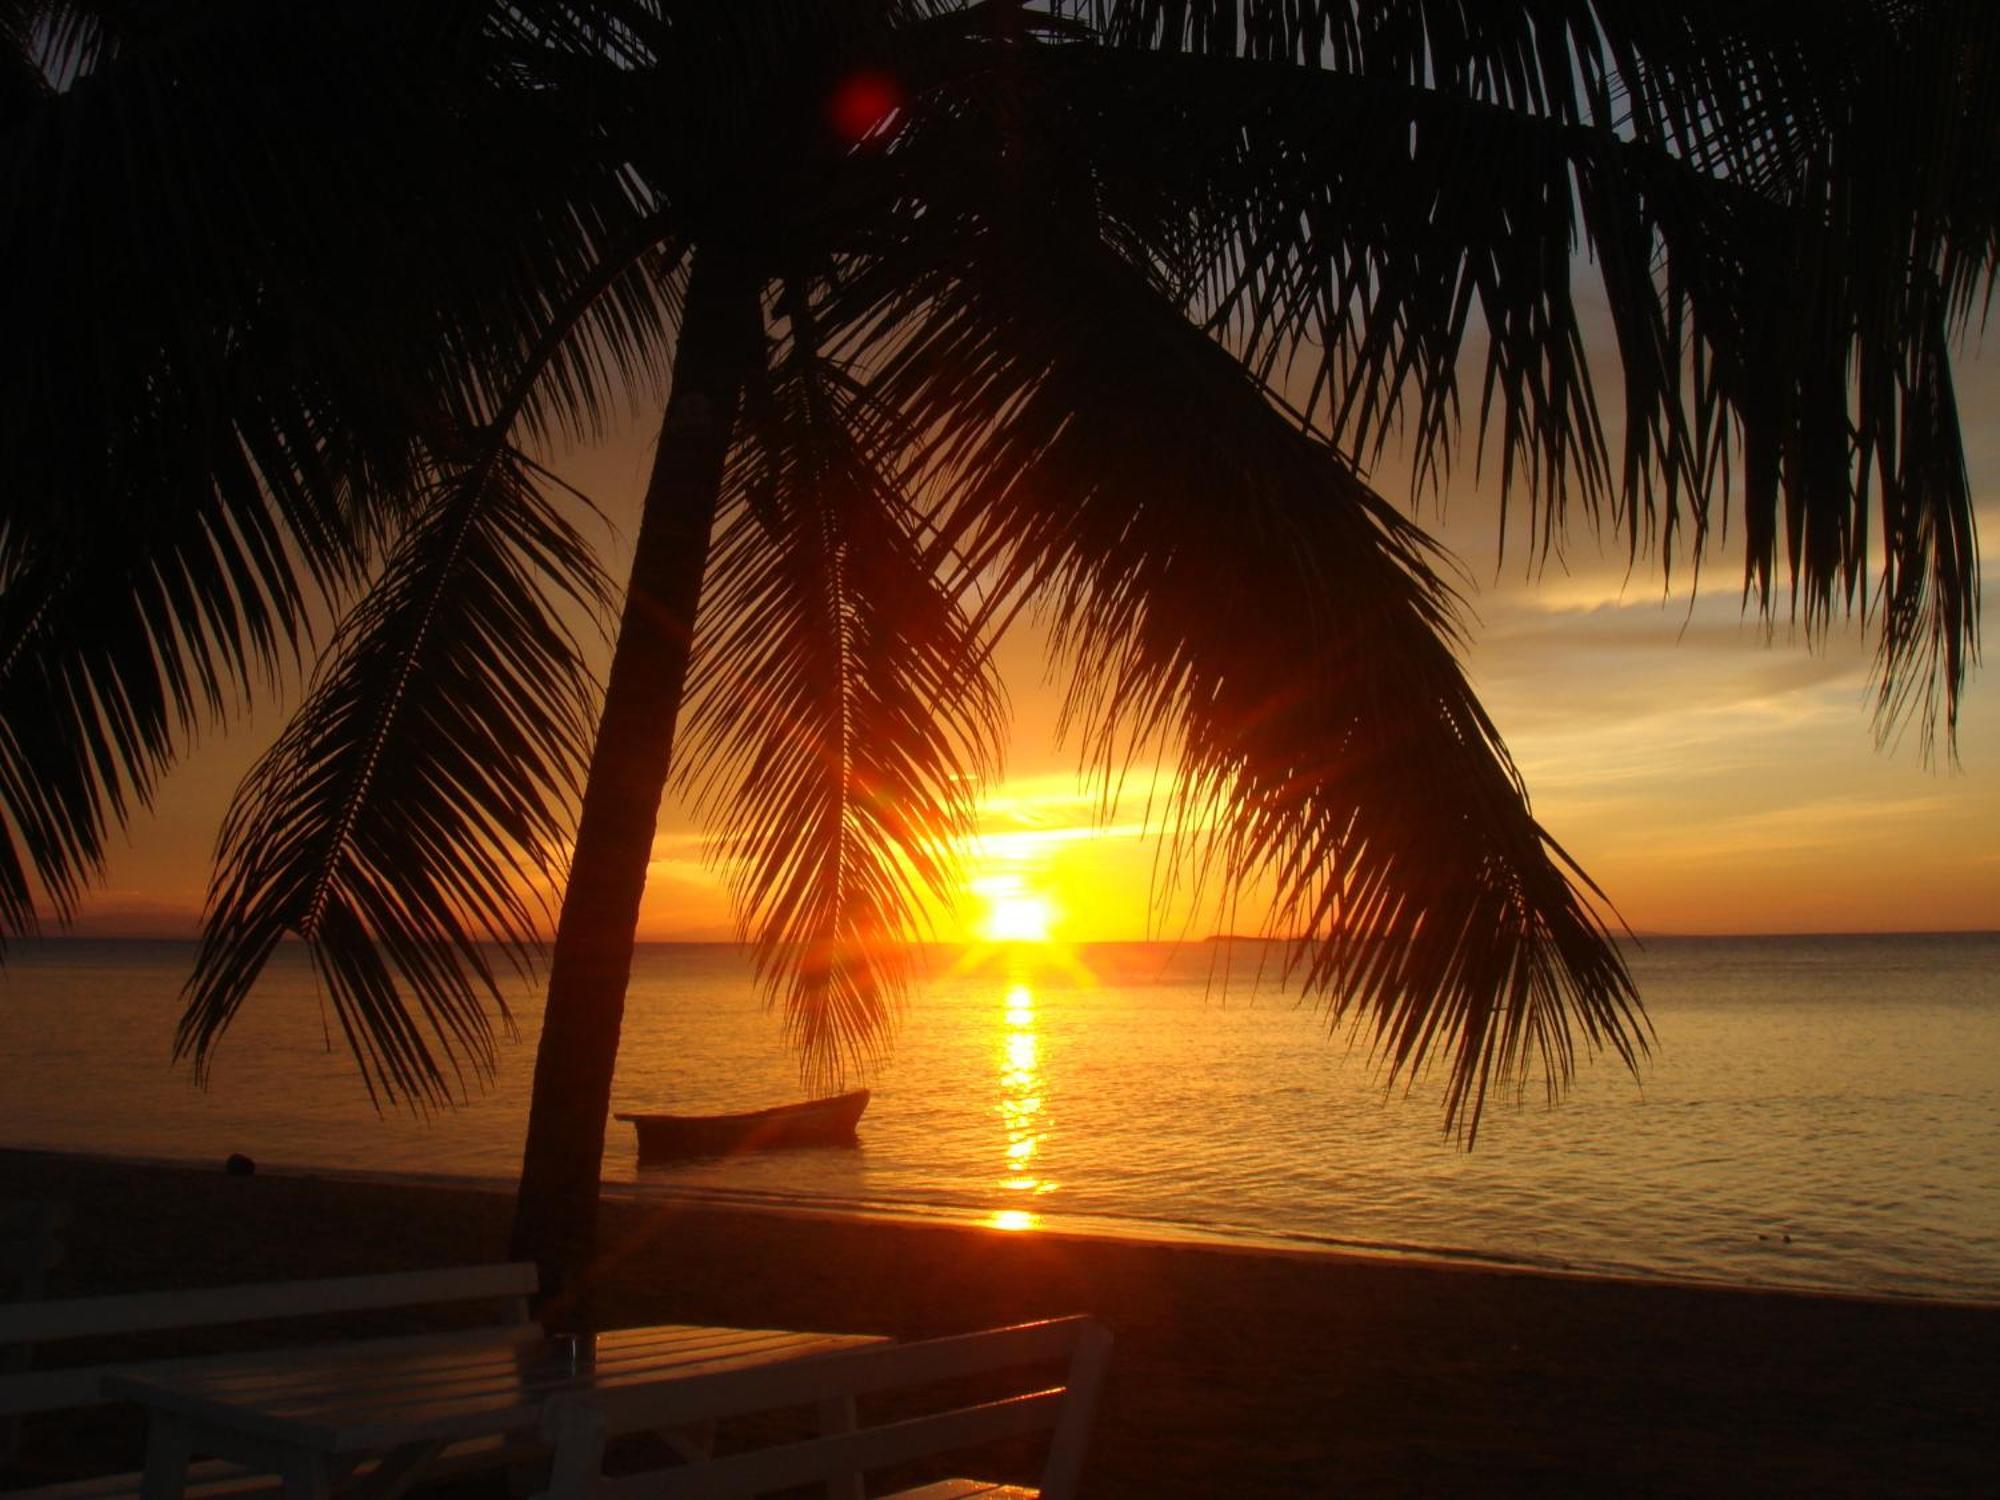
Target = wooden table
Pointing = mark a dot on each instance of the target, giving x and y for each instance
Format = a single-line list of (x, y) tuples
[(314, 1417)]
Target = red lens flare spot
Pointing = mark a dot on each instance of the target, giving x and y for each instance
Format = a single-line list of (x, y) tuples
[(862, 101)]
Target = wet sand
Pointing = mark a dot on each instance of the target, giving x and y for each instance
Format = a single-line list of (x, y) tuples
[(1235, 1372)]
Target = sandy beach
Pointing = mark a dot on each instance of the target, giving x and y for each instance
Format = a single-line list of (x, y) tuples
[(1235, 1372)]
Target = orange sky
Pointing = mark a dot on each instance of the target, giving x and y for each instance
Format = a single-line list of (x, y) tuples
[(1710, 781)]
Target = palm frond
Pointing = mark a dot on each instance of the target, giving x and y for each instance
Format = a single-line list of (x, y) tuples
[(1229, 590), (112, 655), (415, 807), (841, 714), (1366, 208), (224, 363)]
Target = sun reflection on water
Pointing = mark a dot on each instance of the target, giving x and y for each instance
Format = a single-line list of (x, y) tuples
[(1021, 1109)]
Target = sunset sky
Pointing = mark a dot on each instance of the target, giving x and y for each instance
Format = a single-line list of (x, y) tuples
[(1709, 781)]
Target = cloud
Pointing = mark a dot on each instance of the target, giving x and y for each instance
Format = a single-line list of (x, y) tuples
[(1558, 709), (1842, 823)]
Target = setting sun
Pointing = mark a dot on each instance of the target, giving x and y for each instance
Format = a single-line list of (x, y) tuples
[(1018, 919), (1015, 911)]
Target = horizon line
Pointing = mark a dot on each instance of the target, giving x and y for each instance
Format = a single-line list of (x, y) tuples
[(1638, 936)]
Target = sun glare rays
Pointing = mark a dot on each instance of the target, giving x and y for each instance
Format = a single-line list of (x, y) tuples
[(1035, 887)]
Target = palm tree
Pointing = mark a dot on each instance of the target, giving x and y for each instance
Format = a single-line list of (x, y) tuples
[(1100, 309)]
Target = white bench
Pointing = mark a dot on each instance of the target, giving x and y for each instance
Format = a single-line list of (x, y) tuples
[(43, 1322), (579, 1427)]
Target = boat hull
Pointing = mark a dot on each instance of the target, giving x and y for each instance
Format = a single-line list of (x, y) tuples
[(816, 1122)]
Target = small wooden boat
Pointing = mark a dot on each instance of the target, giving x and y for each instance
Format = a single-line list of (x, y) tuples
[(815, 1122)]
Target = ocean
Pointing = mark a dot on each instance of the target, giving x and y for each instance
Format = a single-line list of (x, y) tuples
[(1819, 1112)]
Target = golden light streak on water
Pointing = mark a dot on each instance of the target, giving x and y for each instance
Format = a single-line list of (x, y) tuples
[(1020, 1108)]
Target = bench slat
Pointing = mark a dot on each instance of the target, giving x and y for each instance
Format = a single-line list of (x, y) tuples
[(767, 1469), (579, 1426), (60, 1390), (149, 1312), (845, 1373), (39, 1322)]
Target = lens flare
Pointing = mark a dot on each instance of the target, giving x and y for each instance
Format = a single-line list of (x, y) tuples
[(861, 102)]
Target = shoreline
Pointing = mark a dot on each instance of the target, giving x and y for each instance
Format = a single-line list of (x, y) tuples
[(1110, 1232), (1234, 1371), (1067, 1229)]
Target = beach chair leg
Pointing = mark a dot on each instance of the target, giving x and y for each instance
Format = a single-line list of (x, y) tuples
[(837, 1414)]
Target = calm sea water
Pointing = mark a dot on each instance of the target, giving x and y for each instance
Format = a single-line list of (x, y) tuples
[(1821, 1112)]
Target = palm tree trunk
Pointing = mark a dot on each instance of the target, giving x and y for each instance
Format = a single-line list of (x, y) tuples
[(555, 1216)]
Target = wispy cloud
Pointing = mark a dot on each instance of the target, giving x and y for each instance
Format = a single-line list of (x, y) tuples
[(1830, 823)]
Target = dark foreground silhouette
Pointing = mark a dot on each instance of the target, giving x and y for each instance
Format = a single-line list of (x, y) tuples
[(1234, 1372)]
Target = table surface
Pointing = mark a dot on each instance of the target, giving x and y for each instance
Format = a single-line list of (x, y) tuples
[(342, 1399)]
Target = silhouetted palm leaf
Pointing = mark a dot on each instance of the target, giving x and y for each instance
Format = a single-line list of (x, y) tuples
[(1231, 593), (841, 714), (222, 368), (116, 644), (1397, 193), (421, 793)]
